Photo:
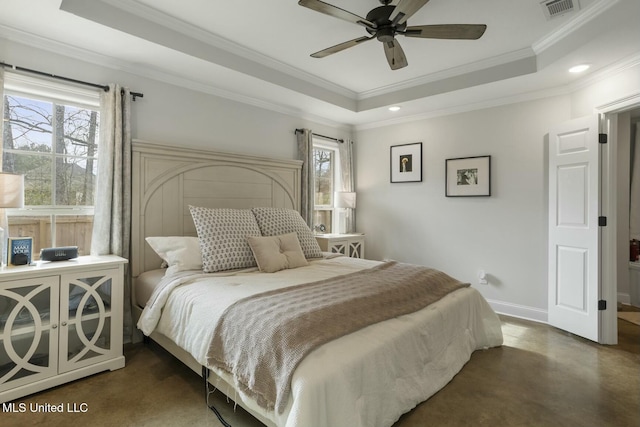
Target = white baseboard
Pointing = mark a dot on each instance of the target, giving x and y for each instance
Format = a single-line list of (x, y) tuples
[(624, 298), (520, 311)]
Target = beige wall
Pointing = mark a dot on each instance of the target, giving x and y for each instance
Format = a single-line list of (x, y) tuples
[(505, 234)]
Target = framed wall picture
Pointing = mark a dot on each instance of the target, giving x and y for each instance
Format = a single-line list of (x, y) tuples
[(406, 162), (19, 251), (468, 177)]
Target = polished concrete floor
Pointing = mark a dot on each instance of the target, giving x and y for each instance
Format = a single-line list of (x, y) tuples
[(541, 376)]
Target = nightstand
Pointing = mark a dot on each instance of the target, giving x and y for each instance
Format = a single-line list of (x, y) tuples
[(347, 244), (59, 321)]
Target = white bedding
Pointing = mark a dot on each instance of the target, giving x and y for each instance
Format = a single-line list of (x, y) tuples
[(367, 378)]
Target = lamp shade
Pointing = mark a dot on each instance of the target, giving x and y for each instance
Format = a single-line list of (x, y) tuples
[(11, 190), (346, 199)]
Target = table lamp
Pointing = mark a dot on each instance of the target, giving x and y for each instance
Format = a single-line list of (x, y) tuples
[(11, 196), (344, 200)]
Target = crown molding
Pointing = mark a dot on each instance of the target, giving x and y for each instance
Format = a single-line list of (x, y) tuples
[(467, 107), (619, 105), (19, 36), (609, 72), (451, 72), (582, 18), (92, 58), (142, 11), (605, 73)]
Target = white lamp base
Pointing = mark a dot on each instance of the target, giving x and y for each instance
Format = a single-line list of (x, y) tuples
[(3, 247), (342, 221), (4, 236)]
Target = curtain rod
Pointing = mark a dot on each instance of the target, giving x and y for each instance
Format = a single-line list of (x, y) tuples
[(67, 79), (322, 136)]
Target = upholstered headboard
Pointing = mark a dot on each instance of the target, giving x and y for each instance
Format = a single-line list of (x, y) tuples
[(167, 179)]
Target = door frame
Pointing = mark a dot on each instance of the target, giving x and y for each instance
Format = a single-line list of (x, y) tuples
[(608, 322)]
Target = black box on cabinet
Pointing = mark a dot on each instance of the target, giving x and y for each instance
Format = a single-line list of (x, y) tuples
[(59, 254)]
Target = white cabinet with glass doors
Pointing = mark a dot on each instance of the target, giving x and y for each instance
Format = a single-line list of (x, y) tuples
[(351, 245), (59, 321)]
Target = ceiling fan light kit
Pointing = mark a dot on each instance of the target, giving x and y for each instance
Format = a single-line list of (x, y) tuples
[(385, 22)]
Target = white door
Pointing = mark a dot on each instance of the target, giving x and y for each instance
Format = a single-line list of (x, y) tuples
[(574, 199)]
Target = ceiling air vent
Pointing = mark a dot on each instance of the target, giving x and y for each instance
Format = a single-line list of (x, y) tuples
[(554, 8)]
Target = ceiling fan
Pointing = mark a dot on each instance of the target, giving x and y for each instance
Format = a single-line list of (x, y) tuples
[(384, 22)]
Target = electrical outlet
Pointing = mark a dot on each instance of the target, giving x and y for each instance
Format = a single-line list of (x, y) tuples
[(482, 278)]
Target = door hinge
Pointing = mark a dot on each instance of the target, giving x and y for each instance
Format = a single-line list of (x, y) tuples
[(602, 138), (602, 304), (602, 221)]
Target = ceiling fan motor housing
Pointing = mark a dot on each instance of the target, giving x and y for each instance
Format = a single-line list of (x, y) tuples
[(385, 31), (379, 26)]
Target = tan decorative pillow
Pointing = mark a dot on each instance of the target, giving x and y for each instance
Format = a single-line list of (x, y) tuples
[(275, 253)]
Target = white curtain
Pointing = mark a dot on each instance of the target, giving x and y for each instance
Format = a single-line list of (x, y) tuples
[(305, 153), (634, 203), (4, 223), (348, 180), (2, 113), (112, 220)]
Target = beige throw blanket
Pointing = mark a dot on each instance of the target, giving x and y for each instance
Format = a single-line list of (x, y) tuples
[(261, 339)]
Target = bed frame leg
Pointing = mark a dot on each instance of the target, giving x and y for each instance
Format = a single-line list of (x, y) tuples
[(207, 392)]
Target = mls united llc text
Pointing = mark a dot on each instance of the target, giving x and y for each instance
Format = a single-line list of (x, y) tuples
[(33, 407)]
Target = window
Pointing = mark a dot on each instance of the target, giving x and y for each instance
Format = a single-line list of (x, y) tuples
[(51, 136), (326, 164)]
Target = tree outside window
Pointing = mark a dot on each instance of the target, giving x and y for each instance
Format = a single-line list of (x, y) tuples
[(55, 146), (324, 163)]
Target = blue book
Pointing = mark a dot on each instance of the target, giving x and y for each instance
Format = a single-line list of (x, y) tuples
[(19, 251)]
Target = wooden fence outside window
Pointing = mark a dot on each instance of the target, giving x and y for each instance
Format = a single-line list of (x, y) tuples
[(71, 230)]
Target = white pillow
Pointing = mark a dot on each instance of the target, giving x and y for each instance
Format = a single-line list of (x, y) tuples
[(179, 252), (275, 253)]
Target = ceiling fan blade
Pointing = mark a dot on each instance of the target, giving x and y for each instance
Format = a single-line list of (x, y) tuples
[(339, 47), (447, 31), (395, 54), (404, 10), (336, 12)]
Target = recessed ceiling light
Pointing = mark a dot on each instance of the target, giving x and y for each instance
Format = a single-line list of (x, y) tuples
[(579, 68), (394, 108)]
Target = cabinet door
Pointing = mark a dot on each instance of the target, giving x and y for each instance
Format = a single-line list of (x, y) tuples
[(338, 246), (90, 317), (356, 248), (28, 331)]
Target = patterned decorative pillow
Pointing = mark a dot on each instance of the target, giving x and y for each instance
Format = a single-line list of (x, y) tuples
[(278, 221), (223, 237)]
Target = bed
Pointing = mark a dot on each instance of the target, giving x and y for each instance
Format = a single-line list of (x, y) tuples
[(366, 377)]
